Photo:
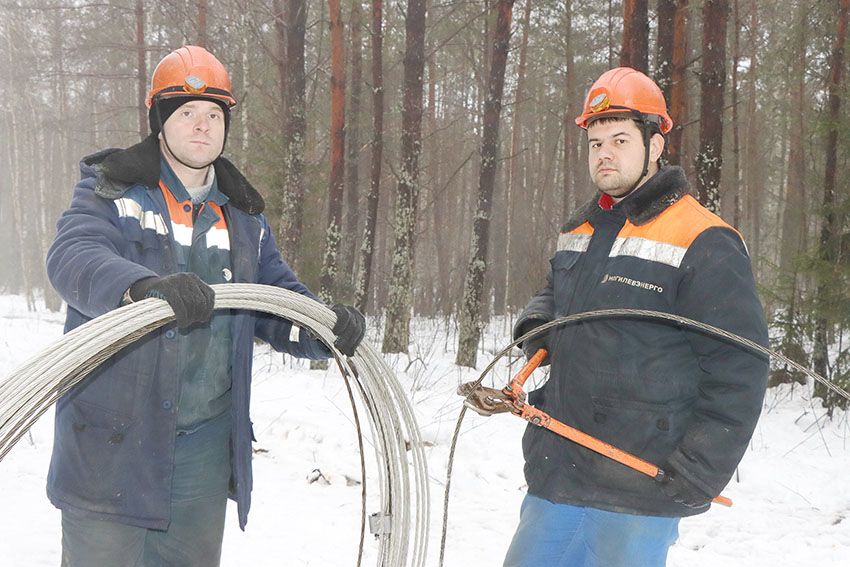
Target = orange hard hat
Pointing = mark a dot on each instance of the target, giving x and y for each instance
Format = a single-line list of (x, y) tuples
[(624, 91), (194, 72)]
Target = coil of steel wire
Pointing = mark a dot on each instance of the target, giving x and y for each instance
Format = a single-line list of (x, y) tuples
[(402, 532)]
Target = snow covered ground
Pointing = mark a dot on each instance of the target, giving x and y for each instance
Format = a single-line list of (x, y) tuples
[(791, 496)]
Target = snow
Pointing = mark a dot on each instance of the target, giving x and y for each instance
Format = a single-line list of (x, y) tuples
[(791, 494)]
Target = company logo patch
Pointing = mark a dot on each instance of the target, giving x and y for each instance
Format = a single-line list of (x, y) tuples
[(634, 283)]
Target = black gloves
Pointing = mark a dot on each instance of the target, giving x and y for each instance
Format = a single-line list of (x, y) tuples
[(349, 328), (681, 490), (535, 343), (191, 299)]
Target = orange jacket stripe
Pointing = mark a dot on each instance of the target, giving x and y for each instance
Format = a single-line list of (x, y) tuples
[(665, 241)]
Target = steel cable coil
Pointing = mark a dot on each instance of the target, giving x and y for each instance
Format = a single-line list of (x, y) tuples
[(35, 385)]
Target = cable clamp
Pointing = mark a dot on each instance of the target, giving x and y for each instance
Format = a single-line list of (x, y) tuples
[(380, 524)]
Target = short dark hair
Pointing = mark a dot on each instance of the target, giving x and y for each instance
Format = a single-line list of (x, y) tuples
[(611, 118), (654, 128)]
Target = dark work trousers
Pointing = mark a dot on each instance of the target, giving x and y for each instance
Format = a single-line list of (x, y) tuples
[(198, 504)]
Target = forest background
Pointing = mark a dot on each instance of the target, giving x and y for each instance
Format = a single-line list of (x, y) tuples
[(418, 157)]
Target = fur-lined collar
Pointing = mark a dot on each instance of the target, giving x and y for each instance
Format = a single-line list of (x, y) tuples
[(117, 170), (663, 189)]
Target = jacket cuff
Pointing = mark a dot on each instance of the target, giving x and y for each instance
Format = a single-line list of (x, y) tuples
[(527, 322), (679, 462)]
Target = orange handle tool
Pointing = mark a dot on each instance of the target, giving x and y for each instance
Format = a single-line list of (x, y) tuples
[(542, 419), (514, 389)]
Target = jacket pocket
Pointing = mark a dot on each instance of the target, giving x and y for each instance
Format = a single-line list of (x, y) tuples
[(563, 279), (649, 429), (120, 384), (96, 466), (146, 247)]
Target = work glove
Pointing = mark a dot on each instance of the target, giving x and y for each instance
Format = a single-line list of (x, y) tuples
[(681, 490), (190, 298), (531, 346), (349, 328)]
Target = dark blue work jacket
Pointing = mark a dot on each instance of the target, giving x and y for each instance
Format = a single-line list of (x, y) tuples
[(666, 393), (113, 450)]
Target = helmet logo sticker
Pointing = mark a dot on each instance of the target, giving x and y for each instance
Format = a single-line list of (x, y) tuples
[(194, 85), (600, 102)]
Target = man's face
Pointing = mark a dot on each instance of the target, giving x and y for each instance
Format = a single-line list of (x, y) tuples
[(195, 133), (616, 155)]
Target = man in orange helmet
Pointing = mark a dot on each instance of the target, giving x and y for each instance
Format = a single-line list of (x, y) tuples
[(149, 446), (665, 393)]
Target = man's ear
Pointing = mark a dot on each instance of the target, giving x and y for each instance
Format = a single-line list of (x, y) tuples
[(656, 146)]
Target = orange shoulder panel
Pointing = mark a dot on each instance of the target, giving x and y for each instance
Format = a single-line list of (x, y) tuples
[(679, 224), (585, 228)]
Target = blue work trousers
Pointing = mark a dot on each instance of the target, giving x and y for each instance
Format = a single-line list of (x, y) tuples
[(561, 535), (198, 505)]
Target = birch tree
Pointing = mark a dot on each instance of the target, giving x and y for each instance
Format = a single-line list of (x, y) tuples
[(473, 289), (513, 167), (353, 110), (367, 247), (294, 82), (333, 235), (397, 329)]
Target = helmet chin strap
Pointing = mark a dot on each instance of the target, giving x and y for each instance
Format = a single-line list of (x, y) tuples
[(647, 136)]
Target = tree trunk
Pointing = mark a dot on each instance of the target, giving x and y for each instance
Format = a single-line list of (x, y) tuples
[(293, 85), (282, 23), (793, 220), (678, 91), (610, 34), (640, 36), (709, 160), (141, 68), (753, 164), (333, 236), (19, 227), (513, 168), (571, 163), (352, 185), (470, 329), (735, 190), (830, 229), (202, 23), (246, 74), (367, 248), (664, 53), (397, 330), (635, 48), (61, 172), (437, 289)]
